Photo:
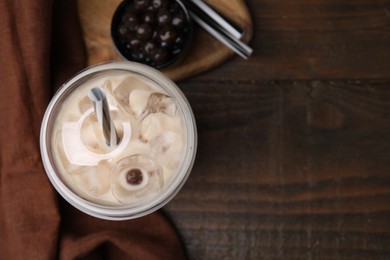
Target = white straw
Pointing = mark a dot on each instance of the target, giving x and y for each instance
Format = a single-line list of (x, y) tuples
[(102, 111)]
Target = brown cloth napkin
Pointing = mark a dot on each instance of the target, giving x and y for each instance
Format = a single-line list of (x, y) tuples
[(40, 46)]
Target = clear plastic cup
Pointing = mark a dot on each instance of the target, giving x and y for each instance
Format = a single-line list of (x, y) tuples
[(155, 154)]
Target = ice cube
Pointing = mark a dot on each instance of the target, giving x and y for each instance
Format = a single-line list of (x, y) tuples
[(150, 127), (85, 104), (123, 90), (92, 136), (109, 89), (159, 102), (138, 100), (167, 149), (94, 181)]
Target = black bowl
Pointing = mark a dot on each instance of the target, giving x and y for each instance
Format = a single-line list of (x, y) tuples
[(157, 33)]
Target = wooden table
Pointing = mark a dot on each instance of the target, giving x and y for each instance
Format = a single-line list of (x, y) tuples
[(294, 144)]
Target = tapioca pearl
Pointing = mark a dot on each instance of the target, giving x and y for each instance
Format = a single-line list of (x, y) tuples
[(174, 7), (130, 21), (164, 17), (134, 177), (159, 56), (176, 50), (179, 20), (127, 46), (133, 40), (122, 30), (144, 31), (141, 4), (131, 179), (167, 35), (159, 3), (138, 54), (149, 17), (150, 47), (179, 40), (155, 35)]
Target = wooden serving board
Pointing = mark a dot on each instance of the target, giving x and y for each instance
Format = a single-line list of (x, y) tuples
[(205, 52)]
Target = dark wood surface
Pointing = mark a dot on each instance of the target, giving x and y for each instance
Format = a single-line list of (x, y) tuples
[(294, 144)]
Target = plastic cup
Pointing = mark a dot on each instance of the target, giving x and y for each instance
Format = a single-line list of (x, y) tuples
[(155, 154)]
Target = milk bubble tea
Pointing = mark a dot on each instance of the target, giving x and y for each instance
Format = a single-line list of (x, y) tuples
[(150, 148)]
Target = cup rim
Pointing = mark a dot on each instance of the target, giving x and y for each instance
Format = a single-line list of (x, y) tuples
[(121, 212)]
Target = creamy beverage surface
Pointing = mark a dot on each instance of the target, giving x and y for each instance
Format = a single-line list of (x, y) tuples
[(151, 147)]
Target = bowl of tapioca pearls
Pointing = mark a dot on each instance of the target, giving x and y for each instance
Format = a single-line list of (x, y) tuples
[(157, 33)]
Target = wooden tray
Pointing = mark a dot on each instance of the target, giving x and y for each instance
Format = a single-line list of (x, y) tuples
[(205, 53)]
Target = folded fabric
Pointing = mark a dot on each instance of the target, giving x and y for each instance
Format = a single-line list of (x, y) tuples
[(40, 47)]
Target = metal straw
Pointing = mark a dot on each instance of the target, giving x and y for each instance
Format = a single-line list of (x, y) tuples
[(224, 25), (102, 111), (236, 45), (223, 31)]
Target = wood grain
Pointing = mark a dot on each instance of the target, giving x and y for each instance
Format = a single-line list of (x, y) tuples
[(205, 51), (294, 144), (288, 170)]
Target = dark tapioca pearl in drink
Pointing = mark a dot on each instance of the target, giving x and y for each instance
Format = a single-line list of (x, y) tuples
[(163, 22), (134, 177)]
